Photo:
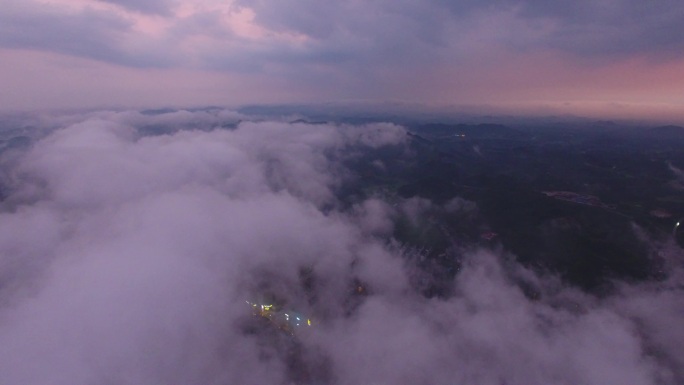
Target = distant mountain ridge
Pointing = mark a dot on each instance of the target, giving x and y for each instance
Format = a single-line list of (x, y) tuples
[(669, 130), (482, 131)]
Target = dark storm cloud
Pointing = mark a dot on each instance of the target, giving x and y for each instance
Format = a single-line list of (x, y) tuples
[(380, 25), (348, 45), (592, 28), (348, 36), (86, 33), (601, 28), (372, 48), (612, 27), (159, 7)]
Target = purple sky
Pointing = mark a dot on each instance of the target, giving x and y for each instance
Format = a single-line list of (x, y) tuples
[(620, 58)]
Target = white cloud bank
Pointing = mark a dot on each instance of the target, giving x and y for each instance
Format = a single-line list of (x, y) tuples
[(127, 259)]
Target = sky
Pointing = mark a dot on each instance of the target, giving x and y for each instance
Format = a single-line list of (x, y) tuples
[(132, 258), (611, 58)]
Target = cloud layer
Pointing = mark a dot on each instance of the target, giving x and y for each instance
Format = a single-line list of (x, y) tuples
[(130, 244), (266, 33)]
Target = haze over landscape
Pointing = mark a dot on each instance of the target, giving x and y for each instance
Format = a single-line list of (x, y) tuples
[(341, 192)]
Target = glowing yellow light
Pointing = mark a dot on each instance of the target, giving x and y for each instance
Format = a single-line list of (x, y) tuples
[(308, 322)]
